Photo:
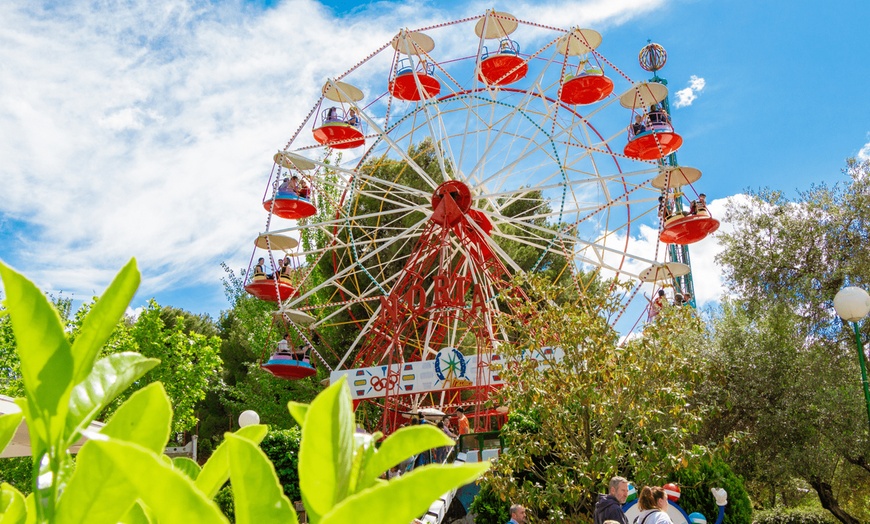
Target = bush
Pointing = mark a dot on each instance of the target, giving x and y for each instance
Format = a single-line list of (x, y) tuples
[(224, 499), (488, 507), (695, 484), (18, 472), (794, 516), (282, 448)]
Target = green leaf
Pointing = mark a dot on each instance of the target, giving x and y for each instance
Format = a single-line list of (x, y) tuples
[(402, 499), (13, 509), (145, 419), (109, 378), (299, 411), (402, 444), (130, 472), (97, 479), (136, 515), (216, 471), (8, 425), (45, 356), (257, 493), (102, 319), (187, 466), (326, 453)]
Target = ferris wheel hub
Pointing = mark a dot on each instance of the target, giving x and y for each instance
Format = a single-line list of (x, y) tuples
[(451, 200)]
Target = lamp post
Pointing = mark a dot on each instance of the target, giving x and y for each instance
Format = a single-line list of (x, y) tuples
[(248, 418), (853, 304)]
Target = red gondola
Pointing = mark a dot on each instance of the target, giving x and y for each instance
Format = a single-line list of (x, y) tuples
[(688, 229), (653, 145), (586, 89), (291, 206), (337, 129), (287, 367), (339, 135), (504, 67), (404, 86), (266, 289)]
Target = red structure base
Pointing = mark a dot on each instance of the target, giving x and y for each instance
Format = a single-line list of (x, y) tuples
[(586, 89), (688, 229)]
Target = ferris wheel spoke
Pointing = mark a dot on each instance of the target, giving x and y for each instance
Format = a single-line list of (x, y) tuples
[(383, 135)]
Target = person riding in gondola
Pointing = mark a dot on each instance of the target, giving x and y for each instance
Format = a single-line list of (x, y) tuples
[(304, 189), (332, 115), (657, 116), (259, 269), (637, 127), (353, 118), (700, 205), (664, 209), (285, 346)]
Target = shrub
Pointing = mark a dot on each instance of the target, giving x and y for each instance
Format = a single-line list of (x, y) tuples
[(695, 484), (793, 516), (282, 448), (488, 507)]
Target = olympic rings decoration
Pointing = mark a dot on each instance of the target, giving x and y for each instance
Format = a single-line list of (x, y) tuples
[(389, 382)]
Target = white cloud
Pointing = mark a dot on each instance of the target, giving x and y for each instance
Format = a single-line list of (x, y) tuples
[(143, 129), (685, 97), (864, 152)]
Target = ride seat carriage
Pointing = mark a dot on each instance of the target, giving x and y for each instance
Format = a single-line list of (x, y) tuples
[(270, 289), (340, 129), (588, 87), (288, 367), (405, 85), (503, 67), (290, 205), (682, 228)]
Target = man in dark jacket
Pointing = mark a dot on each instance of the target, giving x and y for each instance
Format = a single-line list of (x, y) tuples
[(609, 507)]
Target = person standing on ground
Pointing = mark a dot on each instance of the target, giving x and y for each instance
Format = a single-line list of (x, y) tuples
[(518, 515), (609, 507), (653, 504), (462, 422)]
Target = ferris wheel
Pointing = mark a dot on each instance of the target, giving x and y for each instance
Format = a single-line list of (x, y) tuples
[(451, 159)]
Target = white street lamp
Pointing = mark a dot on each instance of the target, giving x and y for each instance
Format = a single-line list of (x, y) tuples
[(248, 418), (853, 304)]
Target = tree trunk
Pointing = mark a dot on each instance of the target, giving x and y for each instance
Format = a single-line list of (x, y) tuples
[(859, 461), (826, 496)]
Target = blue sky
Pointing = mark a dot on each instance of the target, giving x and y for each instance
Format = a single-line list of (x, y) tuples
[(147, 130)]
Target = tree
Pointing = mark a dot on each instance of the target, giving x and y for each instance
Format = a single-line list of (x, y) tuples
[(247, 335), (603, 409), (792, 384), (189, 361)]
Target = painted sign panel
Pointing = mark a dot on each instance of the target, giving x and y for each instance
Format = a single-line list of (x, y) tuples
[(449, 369)]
